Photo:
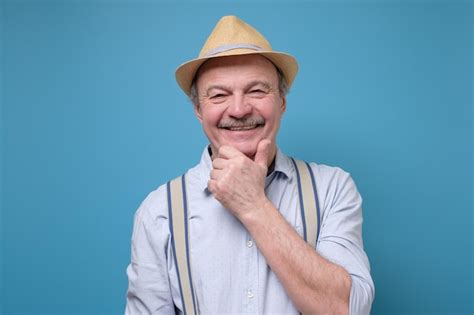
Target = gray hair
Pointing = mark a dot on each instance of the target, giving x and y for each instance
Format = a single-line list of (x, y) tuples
[(282, 87)]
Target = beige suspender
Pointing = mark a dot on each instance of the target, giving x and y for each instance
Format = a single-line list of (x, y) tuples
[(177, 210), (308, 201)]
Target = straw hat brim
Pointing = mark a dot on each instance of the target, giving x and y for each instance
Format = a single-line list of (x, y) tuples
[(285, 62)]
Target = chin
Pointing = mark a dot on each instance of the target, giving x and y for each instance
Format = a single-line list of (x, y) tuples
[(248, 149)]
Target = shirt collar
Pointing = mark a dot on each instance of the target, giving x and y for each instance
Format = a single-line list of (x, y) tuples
[(282, 165)]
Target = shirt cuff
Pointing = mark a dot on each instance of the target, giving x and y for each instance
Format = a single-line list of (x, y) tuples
[(361, 297)]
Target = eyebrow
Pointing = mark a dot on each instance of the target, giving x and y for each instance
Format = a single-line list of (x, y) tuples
[(265, 84), (218, 87)]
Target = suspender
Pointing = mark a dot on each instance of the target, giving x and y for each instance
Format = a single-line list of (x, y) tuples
[(309, 203), (178, 221)]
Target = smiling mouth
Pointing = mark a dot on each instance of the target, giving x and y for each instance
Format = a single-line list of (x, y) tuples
[(243, 128)]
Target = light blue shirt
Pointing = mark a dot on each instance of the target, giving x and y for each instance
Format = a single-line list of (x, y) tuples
[(230, 275)]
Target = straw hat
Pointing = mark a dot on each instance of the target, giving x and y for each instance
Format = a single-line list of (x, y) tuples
[(232, 36)]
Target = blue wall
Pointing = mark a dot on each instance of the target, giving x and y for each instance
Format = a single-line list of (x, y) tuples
[(92, 120)]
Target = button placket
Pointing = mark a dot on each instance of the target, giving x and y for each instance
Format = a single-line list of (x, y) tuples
[(252, 284)]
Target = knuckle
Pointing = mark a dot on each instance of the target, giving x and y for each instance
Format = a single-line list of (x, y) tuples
[(223, 149), (221, 188), (233, 168)]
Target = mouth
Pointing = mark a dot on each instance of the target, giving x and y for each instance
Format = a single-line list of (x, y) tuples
[(243, 128)]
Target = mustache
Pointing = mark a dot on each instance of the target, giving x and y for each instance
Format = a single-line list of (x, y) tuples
[(241, 122)]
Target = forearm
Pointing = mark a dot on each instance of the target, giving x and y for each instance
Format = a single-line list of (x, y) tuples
[(315, 285)]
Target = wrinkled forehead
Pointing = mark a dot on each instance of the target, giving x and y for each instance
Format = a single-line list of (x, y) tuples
[(226, 66)]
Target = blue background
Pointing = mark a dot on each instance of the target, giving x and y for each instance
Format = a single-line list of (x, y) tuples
[(92, 121)]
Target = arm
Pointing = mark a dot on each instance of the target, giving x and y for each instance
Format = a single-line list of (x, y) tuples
[(149, 289), (342, 244), (315, 285), (315, 281)]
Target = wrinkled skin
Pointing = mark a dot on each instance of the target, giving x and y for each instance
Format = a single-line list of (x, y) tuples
[(240, 108), (237, 181)]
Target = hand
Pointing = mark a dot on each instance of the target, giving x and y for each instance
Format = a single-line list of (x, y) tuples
[(237, 181)]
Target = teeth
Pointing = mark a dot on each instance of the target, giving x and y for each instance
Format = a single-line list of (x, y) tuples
[(242, 128)]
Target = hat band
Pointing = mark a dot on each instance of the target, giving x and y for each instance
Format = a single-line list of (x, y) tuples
[(228, 47)]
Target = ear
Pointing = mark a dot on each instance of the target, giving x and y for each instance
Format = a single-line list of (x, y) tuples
[(197, 112), (283, 104)]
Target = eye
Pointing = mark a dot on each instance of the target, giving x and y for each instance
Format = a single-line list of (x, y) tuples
[(218, 97), (215, 96), (257, 92)]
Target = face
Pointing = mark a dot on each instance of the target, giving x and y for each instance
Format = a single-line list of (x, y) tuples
[(239, 102)]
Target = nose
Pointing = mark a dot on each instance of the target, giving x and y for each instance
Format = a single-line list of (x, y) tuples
[(239, 107)]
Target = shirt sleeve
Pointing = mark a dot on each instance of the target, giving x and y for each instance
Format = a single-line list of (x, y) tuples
[(340, 238), (148, 281)]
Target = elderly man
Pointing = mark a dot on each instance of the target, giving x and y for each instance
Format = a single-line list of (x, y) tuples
[(245, 230)]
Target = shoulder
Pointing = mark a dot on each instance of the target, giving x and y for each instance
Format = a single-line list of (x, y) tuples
[(329, 175), (334, 185), (154, 207)]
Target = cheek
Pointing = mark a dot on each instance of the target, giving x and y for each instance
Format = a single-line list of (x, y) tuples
[(272, 114), (211, 117)]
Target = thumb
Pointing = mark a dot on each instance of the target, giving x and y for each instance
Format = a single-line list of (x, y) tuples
[(263, 151)]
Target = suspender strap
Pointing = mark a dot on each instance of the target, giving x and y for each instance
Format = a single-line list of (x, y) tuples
[(178, 220), (309, 203)]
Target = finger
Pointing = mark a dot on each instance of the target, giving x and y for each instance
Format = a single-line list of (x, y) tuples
[(263, 152), (215, 174), (211, 185), (219, 163)]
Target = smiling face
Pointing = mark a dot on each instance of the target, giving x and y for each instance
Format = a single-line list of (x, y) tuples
[(239, 102)]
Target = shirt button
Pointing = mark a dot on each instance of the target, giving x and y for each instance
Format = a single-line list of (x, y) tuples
[(249, 243), (250, 294)]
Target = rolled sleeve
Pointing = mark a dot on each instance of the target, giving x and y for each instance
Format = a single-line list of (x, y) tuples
[(362, 295), (148, 281), (340, 239)]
